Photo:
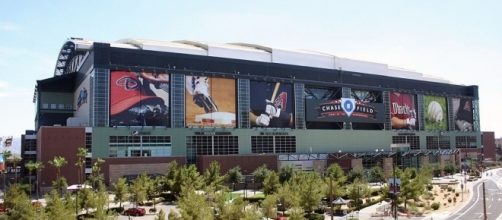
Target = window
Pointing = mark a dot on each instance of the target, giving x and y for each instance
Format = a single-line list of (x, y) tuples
[(412, 140), (465, 141), (273, 144), (211, 145), (139, 146)]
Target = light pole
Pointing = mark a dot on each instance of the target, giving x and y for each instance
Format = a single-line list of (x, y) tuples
[(76, 201)]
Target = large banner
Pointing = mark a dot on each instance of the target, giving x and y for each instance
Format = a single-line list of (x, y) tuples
[(363, 106), (271, 104), (139, 99), (435, 110), (403, 114), (210, 101), (462, 114)]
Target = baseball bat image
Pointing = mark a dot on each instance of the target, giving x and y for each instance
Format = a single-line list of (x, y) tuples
[(276, 89)]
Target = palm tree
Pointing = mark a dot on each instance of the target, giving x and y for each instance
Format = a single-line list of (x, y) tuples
[(32, 166), (59, 162), (81, 153), (15, 161)]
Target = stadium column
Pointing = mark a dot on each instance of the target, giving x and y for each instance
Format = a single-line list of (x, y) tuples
[(100, 81), (346, 94)]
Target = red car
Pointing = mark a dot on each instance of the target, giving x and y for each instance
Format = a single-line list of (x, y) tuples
[(135, 212)]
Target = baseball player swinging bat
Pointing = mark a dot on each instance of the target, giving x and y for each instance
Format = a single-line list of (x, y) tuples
[(271, 111)]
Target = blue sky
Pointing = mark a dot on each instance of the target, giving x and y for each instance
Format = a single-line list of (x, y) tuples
[(460, 41)]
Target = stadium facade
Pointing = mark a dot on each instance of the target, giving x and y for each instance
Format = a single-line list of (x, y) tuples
[(140, 104)]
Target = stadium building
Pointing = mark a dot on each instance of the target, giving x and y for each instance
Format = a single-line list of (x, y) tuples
[(140, 104)]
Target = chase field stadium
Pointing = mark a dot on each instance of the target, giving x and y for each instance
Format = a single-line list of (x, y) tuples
[(140, 104)]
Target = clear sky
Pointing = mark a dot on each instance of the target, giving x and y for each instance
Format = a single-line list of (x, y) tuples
[(460, 41)]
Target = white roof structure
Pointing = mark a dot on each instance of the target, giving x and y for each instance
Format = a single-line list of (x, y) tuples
[(259, 53)]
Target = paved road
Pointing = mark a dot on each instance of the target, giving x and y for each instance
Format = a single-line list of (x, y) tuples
[(493, 195)]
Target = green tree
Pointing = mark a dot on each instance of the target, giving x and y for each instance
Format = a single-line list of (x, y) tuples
[(193, 206), (138, 190), (296, 213), (81, 154), (12, 195), (261, 173), (101, 202), (234, 210), (57, 208), (87, 199), (287, 197), (355, 174), (96, 178), (334, 179), (234, 176), (450, 168), (251, 212), (120, 189), (269, 206), (310, 188), (271, 183), (188, 178), (154, 187), (22, 208), (212, 175), (413, 183), (376, 175), (357, 190), (161, 215), (60, 184), (218, 200), (170, 178), (286, 173), (33, 166)]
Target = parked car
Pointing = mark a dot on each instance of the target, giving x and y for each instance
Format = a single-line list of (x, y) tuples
[(135, 212)]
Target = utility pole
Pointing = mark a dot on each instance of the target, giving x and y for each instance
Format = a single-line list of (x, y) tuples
[(484, 203), (331, 195)]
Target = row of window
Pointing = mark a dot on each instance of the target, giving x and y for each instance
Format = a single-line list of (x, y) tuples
[(58, 106), (436, 142), (139, 146), (153, 146)]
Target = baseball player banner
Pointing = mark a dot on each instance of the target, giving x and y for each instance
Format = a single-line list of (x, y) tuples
[(210, 101), (435, 110), (462, 114), (139, 99), (403, 113), (271, 104)]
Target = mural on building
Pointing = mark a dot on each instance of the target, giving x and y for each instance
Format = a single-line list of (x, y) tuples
[(210, 101), (271, 104), (139, 99), (436, 115), (403, 114)]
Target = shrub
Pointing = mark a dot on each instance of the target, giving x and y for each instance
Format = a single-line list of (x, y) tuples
[(314, 216), (449, 200), (435, 206), (429, 187), (455, 199), (456, 194)]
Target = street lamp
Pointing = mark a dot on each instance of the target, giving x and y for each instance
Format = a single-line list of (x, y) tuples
[(76, 201)]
